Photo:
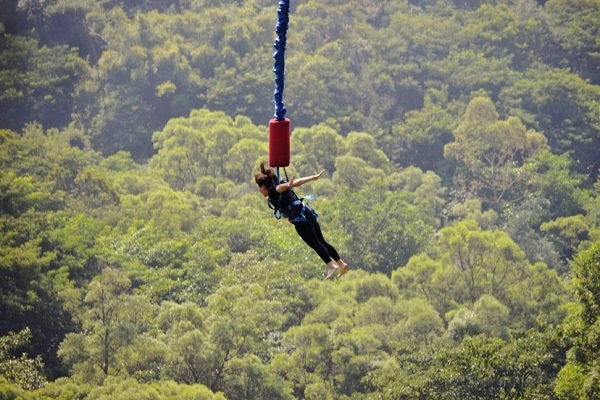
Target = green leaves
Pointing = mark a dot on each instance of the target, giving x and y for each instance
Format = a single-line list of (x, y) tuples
[(37, 83), (479, 274), (586, 274), (493, 152), (111, 320), (574, 26), (204, 144), (24, 371), (160, 271)]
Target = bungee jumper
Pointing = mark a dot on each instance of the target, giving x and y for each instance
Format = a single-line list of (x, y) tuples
[(281, 196), (285, 202)]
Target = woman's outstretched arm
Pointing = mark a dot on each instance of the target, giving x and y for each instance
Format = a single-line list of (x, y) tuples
[(293, 182)]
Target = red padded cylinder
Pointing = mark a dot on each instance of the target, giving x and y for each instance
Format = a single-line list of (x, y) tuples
[(279, 143)]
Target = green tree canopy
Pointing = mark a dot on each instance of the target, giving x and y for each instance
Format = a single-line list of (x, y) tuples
[(492, 152)]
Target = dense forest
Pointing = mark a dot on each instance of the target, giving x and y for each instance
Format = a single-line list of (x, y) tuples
[(461, 143)]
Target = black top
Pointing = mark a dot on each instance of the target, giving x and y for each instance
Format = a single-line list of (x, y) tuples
[(281, 201)]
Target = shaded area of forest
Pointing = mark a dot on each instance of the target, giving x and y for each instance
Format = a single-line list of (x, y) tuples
[(461, 144)]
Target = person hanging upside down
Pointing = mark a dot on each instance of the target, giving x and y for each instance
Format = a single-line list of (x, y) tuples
[(282, 199)]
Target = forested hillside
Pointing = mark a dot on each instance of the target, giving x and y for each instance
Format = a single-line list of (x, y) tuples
[(461, 143)]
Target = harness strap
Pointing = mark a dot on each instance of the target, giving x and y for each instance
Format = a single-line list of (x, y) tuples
[(277, 207)]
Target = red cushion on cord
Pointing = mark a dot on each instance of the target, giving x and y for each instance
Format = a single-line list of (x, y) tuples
[(279, 143)]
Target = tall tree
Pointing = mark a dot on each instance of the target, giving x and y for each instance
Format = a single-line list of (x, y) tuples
[(492, 153), (111, 318), (472, 263)]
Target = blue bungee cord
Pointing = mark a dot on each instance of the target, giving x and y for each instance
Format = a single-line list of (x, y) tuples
[(279, 126), (279, 57)]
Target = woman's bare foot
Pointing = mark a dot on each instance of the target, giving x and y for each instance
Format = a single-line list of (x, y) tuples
[(343, 267), (331, 267)]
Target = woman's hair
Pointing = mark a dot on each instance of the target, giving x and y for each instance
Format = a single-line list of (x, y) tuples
[(266, 177)]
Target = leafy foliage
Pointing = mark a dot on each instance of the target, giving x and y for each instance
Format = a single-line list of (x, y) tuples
[(460, 141), (578, 378), (24, 371)]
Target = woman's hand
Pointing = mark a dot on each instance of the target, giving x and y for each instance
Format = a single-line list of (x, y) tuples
[(293, 182), (290, 183)]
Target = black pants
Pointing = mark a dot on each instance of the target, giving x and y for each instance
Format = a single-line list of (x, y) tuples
[(310, 232)]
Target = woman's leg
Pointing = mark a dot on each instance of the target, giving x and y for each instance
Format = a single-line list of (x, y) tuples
[(307, 232), (330, 249), (319, 234)]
